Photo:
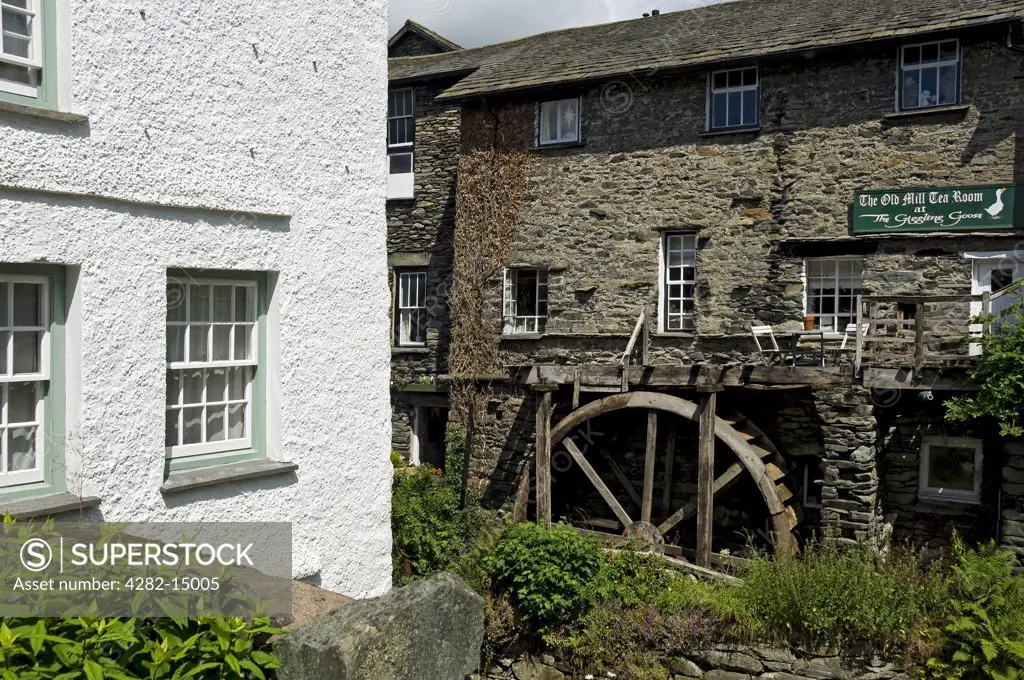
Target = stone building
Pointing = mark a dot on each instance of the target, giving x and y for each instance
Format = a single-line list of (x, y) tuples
[(208, 171), (845, 169)]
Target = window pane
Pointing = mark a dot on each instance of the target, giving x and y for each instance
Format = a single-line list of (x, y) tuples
[(569, 113), (199, 303), (947, 85), (951, 468), (735, 78), (222, 297), (721, 80), (929, 86), (215, 423), (5, 320), (400, 163), (750, 107), (244, 307), (548, 121), (750, 76), (193, 387), (21, 403), (193, 433), (735, 109), (718, 110), (237, 384), (173, 387), (949, 50), (221, 343), (17, 23), (175, 301), (4, 339), (26, 352), (28, 306), (175, 343), (243, 342), (236, 421), (21, 448), (929, 53), (198, 341), (17, 47), (912, 55), (216, 385), (171, 428)]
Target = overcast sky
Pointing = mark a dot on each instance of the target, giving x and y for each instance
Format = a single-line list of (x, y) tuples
[(472, 23)]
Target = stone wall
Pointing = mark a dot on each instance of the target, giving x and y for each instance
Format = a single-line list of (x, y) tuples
[(1011, 530), (723, 662)]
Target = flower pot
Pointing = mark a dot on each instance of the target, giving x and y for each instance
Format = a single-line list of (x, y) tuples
[(809, 323)]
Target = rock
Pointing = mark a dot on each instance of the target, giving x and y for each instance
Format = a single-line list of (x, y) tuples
[(530, 670), (782, 676), (680, 665), (826, 668), (719, 674), (310, 602), (430, 629), (733, 661)]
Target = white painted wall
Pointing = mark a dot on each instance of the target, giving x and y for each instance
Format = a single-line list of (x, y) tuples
[(215, 106)]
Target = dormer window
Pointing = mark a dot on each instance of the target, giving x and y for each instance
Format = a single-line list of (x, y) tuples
[(559, 122), (929, 75), (734, 100)]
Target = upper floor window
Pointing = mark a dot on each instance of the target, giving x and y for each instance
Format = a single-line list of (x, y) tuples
[(213, 350), (559, 122), (680, 276), (950, 469), (401, 136), (411, 317), (833, 286), (929, 75), (735, 99), (28, 52), (525, 301)]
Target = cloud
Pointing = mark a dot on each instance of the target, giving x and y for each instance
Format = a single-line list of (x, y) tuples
[(472, 23)]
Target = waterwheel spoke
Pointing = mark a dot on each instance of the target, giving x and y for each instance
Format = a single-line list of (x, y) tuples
[(652, 441), (724, 481), (621, 476), (598, 483)]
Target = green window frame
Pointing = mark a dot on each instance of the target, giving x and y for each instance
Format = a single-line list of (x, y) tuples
[(46, 91), (54, 398), (255, 447)]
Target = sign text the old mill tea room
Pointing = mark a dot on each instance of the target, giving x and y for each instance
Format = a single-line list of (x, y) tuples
[(945, 209)]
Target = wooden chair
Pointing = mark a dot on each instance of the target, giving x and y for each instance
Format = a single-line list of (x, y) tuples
[(770, 350), (848, 345)]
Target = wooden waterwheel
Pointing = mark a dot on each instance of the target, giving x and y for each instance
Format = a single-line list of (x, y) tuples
[(755, 455)]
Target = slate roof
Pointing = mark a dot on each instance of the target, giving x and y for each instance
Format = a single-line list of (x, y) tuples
[(410, 26), (729, 31)]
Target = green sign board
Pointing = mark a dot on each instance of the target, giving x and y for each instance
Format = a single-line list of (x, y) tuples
[(940, 209)]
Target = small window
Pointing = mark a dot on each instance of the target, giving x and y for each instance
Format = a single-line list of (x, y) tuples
[(411, 317), (24, 377), (21, 63), (559, 122), (735, 99), (929, 75), (951, 469), (401, 118), (833, 286), (813, 475), (213, 350), (526, 301), (680, 264)]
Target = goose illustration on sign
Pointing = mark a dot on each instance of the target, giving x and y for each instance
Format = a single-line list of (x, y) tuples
[(934, 209)]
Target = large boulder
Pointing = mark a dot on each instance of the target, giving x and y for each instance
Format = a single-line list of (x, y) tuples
[(430, 630)]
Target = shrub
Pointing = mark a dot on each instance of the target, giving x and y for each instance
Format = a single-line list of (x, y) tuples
[(985, 636), (833, 596), (127, 649), (545, 572)]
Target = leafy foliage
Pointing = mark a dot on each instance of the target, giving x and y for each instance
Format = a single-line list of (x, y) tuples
[(986, 633), (134, 649), (1000, 374), (546, 573)]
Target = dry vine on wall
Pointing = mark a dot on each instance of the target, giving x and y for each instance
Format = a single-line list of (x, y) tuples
[(493, 175)]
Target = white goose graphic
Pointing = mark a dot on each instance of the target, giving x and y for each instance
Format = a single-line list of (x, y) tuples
[(996, 207)]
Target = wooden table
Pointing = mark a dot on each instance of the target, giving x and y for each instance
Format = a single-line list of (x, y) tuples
[(820, 334)]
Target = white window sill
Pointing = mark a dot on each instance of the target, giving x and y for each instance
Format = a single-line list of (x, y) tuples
[(411, 349), (938, 497), (559, 145), (63, 116), (522, 336), (224, 474), (47, 506), (928, 111), (745, 130)]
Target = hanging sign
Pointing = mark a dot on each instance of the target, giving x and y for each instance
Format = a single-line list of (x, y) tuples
[(943, 209)]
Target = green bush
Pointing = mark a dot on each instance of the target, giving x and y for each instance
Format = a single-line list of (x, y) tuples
[(836, 596), (985, 636), (545, 572), (128, 649)]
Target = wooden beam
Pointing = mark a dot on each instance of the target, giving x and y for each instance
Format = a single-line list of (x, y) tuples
[(598, 483), (595, 377), (649, 464), (645, 350), (706, 477), (576, 391), (670, 456), (543, 459), (727, 479)]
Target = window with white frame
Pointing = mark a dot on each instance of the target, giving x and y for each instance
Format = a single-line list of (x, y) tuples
[(525, 301), (212, 361), (411, 321), (735, 99), (21, 49), (929, 75), (951, 469), (680, 280), (24, 377), (401, 130), (833, 286), (559, 122)]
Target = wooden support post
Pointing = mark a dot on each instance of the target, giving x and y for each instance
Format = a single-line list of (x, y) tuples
[(918, 339), (543, 458), (860, 336), (986, 313), (670, 455), (706, 473), (576, 391), (645, 350), (649, 462)]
